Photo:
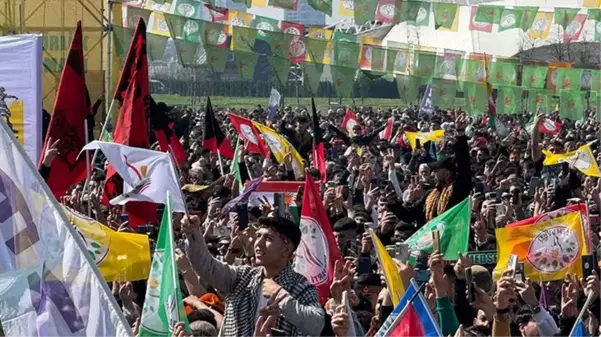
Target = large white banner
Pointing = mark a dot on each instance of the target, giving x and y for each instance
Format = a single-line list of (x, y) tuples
[(21, 90)]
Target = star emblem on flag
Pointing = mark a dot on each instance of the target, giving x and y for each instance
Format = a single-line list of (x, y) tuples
[(571, 104), (338, 83), (567, 84), (472, 100), (507, 100), (499, 76), (445, 15), (532, 80)]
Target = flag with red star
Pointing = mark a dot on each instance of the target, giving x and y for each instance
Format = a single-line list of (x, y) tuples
[(534, 76)]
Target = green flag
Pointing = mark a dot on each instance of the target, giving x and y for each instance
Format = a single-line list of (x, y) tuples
[(216, 58), (280, 68), (344, 79), (324, 6), (510, 18), (285, 4), (235, 167), (106, 136), (214, 34), (248, 3), (595, 80), (534, 76), (122, 39), (454, 228), (188, 8), (316, 49), (509, 99), (444, 14), (246, 63), (312, 75), (595, 15), (540, 99), (346, 54), (488, 14), (163, 304), (565, 16), (528, 15), (473, 71), (397, 61), (595, 103), (155, 46), (569, 78), (184, 28), (424, 64), (444, 92), (415, 12), (187, 51), (365, 11), (449, 65), (279, 43), (408, 88), (475, 98), (503, 73), (340, 36), (263, 24), (572, 104), (243, 38)]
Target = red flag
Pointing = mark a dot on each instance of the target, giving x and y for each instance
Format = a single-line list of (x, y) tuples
[(249, 133), (387, 132), (132, 129), (214, 139), (166, 136), (318, 250), (71, 108), (573, 30), (319, 153), (476, 25), (218, 14), (349, 121), (549, 126), (409, 325)]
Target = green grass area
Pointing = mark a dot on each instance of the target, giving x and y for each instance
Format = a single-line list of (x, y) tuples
[(250, 102)]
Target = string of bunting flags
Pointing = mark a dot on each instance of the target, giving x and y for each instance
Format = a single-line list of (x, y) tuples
[(446, 71)]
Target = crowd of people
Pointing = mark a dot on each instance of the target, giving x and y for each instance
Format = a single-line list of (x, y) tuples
[(244, 284)]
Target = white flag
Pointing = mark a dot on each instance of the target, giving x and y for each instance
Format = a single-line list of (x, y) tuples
[(149, 174), (48, 285)]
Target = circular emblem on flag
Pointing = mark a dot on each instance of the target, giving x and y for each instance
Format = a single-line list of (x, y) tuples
[(586, 80), (186, 9), (216, 37), (162, 26), (554, 78), (349, 5), (312, 253), (554, 249), (319, 35), (97, 250), (387, 11), (448, 67), (426, 241), (274, 143), (549, 125), (400, 61), (292, 31), (237, 21), (598, 27), (367, 53), (297, 48), (540, 25), (573, 28), (480, 75), (247, 131), (153, 294), (191, 27), (265, 26), (507, 20), (479, 24), (422, 14)]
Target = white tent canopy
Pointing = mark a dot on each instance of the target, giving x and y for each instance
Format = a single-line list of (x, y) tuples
[(506, 43)]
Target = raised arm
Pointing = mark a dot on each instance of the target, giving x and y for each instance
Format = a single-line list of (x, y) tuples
[(217, 274), (537, 149)]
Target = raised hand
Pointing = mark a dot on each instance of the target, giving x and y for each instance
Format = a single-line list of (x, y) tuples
[(343, 274), (505, 294), (51, 152), (461, 264), (569, 295), (340, 322)]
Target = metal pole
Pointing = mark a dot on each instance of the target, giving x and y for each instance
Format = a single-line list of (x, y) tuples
[(88, 172), (109, 56)]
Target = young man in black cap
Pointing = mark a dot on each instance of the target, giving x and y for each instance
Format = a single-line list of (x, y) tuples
[(270, 288), (452, 183)]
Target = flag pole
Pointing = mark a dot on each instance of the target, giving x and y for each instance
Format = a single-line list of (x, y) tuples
[(88, 172), (220, 164), (106, 121), (177, 175), (589, 299), (396, 320)]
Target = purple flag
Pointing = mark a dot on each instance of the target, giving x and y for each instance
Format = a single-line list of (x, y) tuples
[(242, 198)]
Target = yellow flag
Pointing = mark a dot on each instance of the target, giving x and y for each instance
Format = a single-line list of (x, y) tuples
[(432, 136), (119, 256), (321, 34), (541, 25), (279, 146), (455, 26), (159, 25), (549, 250), (238, 18), (581, 159), (259, 3), (591, 3), (346, 7), (390, 269)]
